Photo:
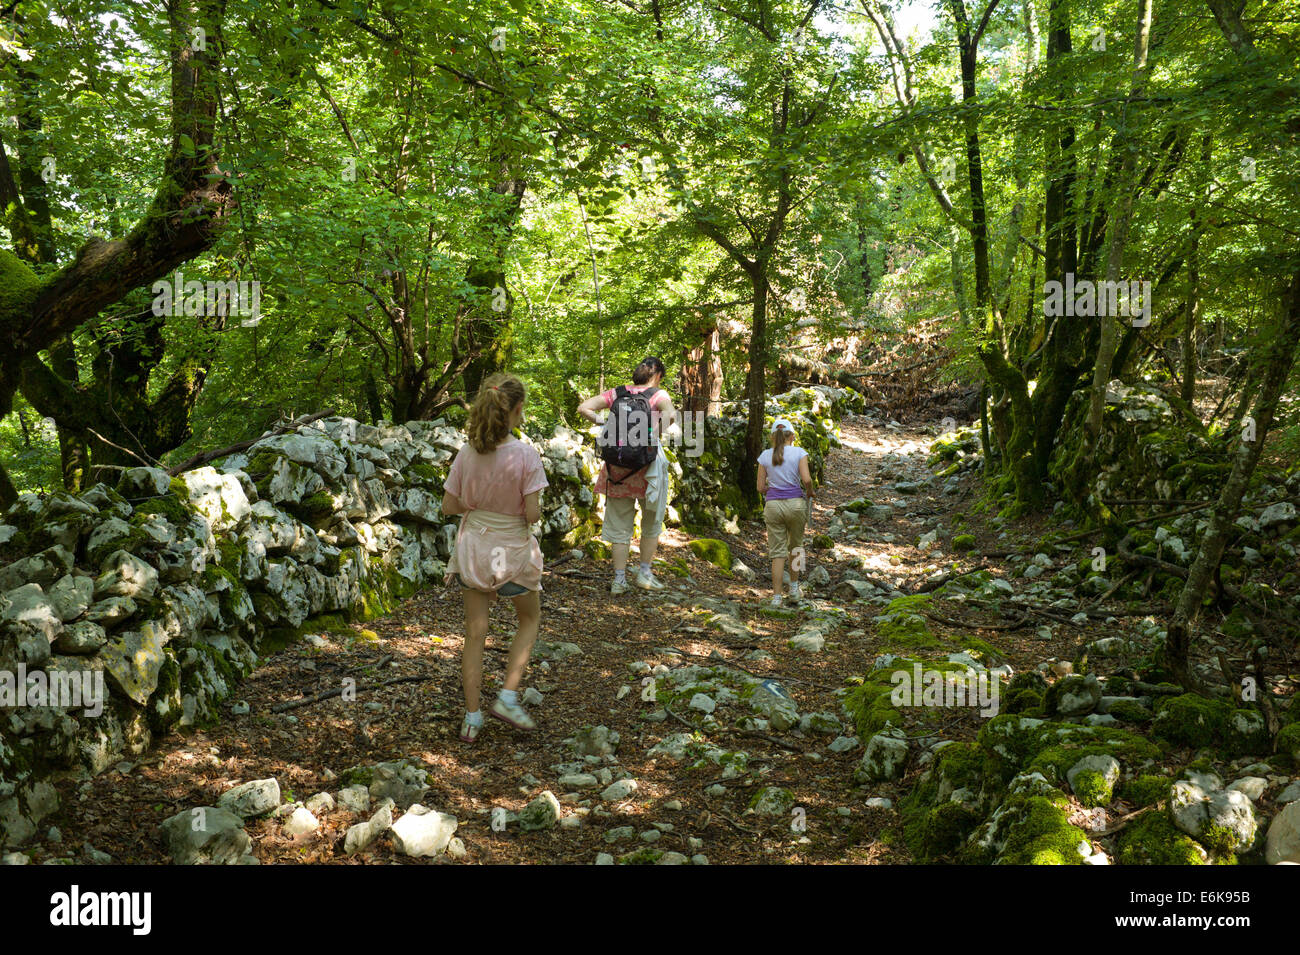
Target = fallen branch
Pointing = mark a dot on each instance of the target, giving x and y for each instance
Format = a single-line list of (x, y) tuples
[(937, 582), (330, 694), (753, 832), (1124, 820), (729, 729)]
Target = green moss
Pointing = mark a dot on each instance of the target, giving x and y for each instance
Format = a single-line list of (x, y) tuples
[(1218, 840), (902, 625), (932, 833), (1053, 748), (227, 670), (1128, 711), (312, 508), (870, 709), (1288, 741), (277, 638), (678, 567), (1152, 839), (1197, 722), (1021, 701), (357, 776), (646, 855), (423, 475), (18, 283), (262, 463), (823, 541), (16, 548), (131, 542), (933, 824), (165, 702), (963, 542), (1091, 789), (714, 551), (230, 554), (982, 651), (175, 509), (782, 798), (598, 550), (1146, 790), (227, 596), (1041, 834)]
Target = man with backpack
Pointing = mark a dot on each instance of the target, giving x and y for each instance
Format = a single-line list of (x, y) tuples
[(635, 468)]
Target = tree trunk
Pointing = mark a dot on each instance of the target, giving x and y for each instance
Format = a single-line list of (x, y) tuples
[(1278, 357), (701, 375), (1126, 140), (1192, 317), (488, 339), (755, 386), (193, 198)]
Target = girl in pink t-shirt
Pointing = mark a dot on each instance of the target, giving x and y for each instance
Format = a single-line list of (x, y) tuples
[(496, 482)]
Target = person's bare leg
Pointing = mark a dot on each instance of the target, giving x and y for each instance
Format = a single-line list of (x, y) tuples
[(778, 570), (477, 605), (620, 556), (648, 548), (529, 608)]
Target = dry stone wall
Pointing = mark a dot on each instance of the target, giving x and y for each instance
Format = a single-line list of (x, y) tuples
[(128, 610)]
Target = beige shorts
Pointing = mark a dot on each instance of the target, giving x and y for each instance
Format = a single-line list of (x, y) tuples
[(620, 519), (785, 523)]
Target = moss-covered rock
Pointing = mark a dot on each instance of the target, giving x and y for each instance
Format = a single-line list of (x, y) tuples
[(1197, 722), (903, 626), (1129, 711), (1152, 839), (714, 551), (598, 550), (1042, 834), (1146, 789)]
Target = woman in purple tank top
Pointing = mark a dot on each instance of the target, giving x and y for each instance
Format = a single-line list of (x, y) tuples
[(786, 484)]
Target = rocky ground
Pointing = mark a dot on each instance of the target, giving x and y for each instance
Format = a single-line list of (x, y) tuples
[(656, 740)]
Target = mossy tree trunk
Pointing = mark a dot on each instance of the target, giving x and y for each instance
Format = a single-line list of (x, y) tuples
[(192, 200), (487, 338)]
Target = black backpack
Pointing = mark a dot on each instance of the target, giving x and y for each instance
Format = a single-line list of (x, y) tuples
[(627, 440)]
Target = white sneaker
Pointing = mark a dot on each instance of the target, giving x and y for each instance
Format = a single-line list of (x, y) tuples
[(618, 587), (795, 593), (513, 714), (647, 582)]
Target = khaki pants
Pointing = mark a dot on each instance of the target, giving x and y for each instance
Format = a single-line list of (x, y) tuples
[(785, 523), (620, 518)]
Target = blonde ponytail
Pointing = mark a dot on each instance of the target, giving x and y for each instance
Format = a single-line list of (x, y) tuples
[(489, 416), (779, 441)]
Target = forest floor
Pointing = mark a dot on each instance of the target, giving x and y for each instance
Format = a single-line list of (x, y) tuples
[(306, 749)]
